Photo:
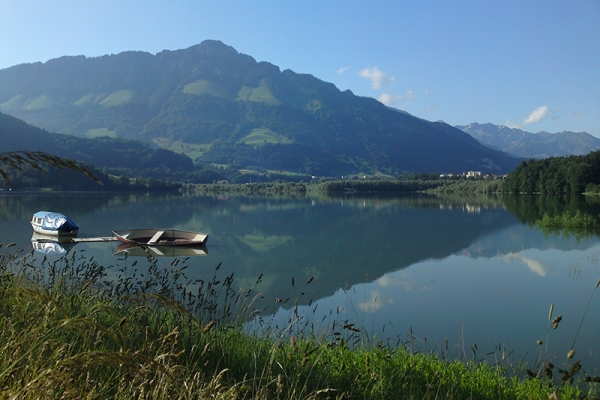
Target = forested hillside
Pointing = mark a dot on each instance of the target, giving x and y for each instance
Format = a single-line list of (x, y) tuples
[(221, 107), (103, 152), (574, 174), (115, 156)]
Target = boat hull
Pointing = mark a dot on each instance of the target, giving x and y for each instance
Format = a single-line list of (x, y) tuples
[(47, 232), (161, 237)]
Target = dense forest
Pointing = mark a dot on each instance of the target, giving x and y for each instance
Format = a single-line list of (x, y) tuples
[(556, 175)]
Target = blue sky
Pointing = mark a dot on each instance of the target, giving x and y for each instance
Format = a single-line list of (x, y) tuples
[(532, 64)]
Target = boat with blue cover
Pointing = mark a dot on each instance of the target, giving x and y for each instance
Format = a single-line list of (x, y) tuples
[(53, 224)]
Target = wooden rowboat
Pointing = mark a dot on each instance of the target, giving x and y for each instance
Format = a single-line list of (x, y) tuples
[(161, 237)]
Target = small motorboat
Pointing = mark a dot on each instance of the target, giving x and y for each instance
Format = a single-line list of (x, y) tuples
[(161, 237), (53, 224)]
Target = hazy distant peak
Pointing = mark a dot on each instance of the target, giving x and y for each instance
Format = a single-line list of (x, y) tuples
[(532, 145)]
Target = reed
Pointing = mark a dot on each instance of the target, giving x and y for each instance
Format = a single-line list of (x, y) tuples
[(67, 330), (567, 221)]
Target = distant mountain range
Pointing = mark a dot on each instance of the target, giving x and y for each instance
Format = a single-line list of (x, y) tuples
[(220, 107), (532, 145)]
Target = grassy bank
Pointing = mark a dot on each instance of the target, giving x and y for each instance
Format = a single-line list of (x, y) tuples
[(70, 329)]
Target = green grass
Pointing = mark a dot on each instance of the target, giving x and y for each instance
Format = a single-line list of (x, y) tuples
[(285, 173), (192, 150), (117, 98), (94, 133), (244, 93), (42, 102), (260, 94), (261, 136), (92, 98), (202, 87), (16, 103), (73, 329)]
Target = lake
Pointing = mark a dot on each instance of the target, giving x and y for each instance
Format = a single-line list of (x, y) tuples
[(467, 277)]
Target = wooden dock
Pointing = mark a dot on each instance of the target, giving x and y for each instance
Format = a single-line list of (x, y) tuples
[(96, 239), (77, 240)]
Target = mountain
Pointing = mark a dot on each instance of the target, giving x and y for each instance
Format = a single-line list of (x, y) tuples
[(222, 107), (532, 145), (104, 152)]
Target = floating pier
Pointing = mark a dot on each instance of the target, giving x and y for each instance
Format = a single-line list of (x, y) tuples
[(76, 239), (95, 239)]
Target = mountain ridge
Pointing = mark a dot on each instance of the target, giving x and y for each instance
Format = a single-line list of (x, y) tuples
[(104, 152), (532, 145), (222, 107)]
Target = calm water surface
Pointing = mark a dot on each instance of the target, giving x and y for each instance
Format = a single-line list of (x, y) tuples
[(467, 277)]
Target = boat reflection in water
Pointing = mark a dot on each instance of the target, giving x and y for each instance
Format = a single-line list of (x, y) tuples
[(135, 250), (48, 244)]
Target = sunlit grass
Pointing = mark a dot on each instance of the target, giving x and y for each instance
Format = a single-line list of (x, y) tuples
[(286, 173), (94, 133), (192, 150), (90, 98), (261, 136), (117, 98), (202, 87), (260, 94), (42, 102), (15, 103)]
